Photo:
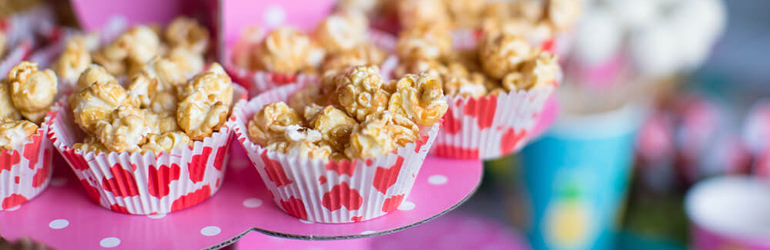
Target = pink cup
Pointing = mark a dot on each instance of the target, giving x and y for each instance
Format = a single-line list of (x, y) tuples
[(729, 213)]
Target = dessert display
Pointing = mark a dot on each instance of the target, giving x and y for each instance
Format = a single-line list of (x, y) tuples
[(347, 124), (26, 95)]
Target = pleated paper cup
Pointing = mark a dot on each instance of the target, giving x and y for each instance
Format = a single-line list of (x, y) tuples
[(331, 191), (257, 82), (489, 127), (145, 183), (26, 170)]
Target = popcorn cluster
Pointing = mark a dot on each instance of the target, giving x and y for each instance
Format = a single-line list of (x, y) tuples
[(156, 112), (26, 95), (178, 52), (366, 118)]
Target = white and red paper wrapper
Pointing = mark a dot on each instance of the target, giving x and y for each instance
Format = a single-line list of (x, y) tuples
[(330, 191), (26, 170), (145, 183), (257, 82), (491, 126)]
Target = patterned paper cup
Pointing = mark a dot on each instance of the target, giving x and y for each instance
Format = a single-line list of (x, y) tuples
[(729, 213), (491, 126), (26, 170), (257, 82), (331, 192), (145, 183)]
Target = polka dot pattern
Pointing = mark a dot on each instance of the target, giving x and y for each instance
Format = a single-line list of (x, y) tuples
[(109, 242), (210, 231), (252, 202), (58, 224), (406, 206), (437, 179)]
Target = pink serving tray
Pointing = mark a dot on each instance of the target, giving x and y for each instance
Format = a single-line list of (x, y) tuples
[(65, 218)]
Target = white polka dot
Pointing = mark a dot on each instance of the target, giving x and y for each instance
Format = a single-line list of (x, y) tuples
[(58, 181), (274, 15), (13, 208), (306, 221), (58, 224), (210, 231), (437, 179), (156, 216), (109, 242), (252, 202), (406, 206), (368, 232)]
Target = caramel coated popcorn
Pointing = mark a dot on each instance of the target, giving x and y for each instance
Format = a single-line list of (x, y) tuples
[(90, 144), (271, 122), (334, 125), (74, 60), (132, 48), (32, 91), (14, 133), (412, 13), (535, 73), (7, 110), (187, 33), (166, 142), (360, 92), (502, 53), (562, 14), (342, 31), (92, 74), (302, 142), (429, 42), (419, 97), (215, 84), (123, 131), (285, 50), (96, 103), (199, 116), (370, 139)]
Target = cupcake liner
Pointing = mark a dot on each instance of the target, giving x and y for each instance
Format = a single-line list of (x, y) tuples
[(145, 183), (15, 56), (26, 170), (331, 192), (491, 126), (257, 82)]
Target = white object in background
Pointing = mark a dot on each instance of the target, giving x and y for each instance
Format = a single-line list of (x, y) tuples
[(655, 50), (599, 38)]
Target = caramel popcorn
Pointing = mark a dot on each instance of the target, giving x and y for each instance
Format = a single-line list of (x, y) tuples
[(303, 142), (471, 85), (464, 13), (413, 13), (424, 42), (92, 74), (502, 53), (96, 103), (214, 83), (14, 133), (359, 92), (342, 31), (419, 97), (365, 54), (189, 62), (562, 14), (124, 131), (166, 142), (199, 116), (529, 10), (132, 48), (286, 51), (186, 32), (159, 123), (7, 110), (163, 102), (535, 73), (309, 95), (74, 60), (3, 43), (167, 73), (334, 125), (90, 144), (418, 66), (271, 122), (32, 91), (370, 139)]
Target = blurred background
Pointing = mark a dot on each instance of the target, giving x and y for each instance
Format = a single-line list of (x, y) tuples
[(658, 95)]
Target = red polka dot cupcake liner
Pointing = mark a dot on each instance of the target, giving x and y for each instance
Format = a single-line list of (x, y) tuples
[(26, 170), (489, 127), (257, 82), (331, 191), (145, 183)]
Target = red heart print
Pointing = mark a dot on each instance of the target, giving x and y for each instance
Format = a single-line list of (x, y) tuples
[(342, 167), (219, 159), (122, 182), (77, 162), (483, 109), (119, 209), (159, 179), (13, 201), (322, 179), (392, 203), (384, 178), (197, 165), (191, 198), (91, 190), (450, 124), (342, 195), (16, 179), (419, 143), (511, 139), (9, 158), (294, 207), (275, 171), (44, 172), (457, 152), (32, 150), (356, 218)]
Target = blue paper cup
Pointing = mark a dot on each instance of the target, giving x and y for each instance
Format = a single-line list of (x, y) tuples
[(575, 179)]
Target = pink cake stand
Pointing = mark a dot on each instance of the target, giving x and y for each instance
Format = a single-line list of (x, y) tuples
[(65, 218)]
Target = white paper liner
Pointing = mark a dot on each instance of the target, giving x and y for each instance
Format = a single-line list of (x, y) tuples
[(330, 192), (257, 82), (145, 183), (26, 170)]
